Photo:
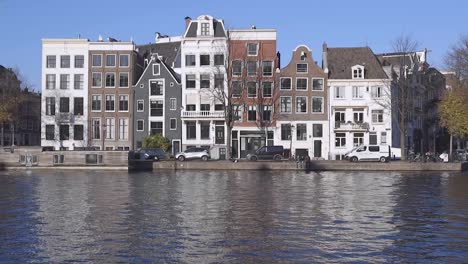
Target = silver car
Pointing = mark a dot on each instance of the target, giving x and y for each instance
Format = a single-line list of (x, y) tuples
[(193, 153)]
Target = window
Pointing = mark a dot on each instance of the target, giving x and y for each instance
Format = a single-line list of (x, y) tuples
[(358, 115), (64, 81), (317, 130), (110, 103), (50, 106), (140, 105), (110, 79), (64, 132), (376, 91), (383, 137), (218, 59), (123, 102), (124, 60), (252, 113), (267, 68), (190, 81), (377, 116), (219, 81), (50, 132), (156, 108), (173, 104), (189, 60), (78, 106), (301, 104), (317, 104), (96, 127), (204, 60), (251, 89), (97, 60), (266, 114), (236, 89), (110, 60), (340, 140), (358, 92), (123, 79), (301, 84), (339, 92), (123, 128), (285, 104), (156, 88), (374, 148), (358, 72), (140, 125), (301, 132), (156, 128), (358, 139), (237, 112), (204, 130), (79, 61), (110, 128), (50, 61), (219, 107), (205, 107), (237, 68), (252, 49), (251, 68), (317, 84), (219, 133), (266, 89), (79, 82), (97, 79), (204, 81), (205, 29), (50, 81), (65, 61), (285, 131), (156, 69), (190, 107), (173, 124), (301, 68), (191, 131), (285, 83), (64, 105), (96, 102)]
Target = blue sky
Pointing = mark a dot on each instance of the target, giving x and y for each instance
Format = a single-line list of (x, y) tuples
[(435, 25)]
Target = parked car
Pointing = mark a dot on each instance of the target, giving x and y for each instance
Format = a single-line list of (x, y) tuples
[(153, 154), (193, 153), (267, 153), (380, 153)]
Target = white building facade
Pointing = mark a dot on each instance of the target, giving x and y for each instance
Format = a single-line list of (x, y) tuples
[(203, 59), (359, 100), (64, 89)]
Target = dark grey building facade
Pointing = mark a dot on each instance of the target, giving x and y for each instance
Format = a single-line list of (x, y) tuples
[(158, 96)]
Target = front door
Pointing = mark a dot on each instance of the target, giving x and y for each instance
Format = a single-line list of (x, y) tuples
[(175, 147), (317, 148)]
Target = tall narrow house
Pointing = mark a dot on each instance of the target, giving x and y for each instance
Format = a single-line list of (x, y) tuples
[(203, 69)]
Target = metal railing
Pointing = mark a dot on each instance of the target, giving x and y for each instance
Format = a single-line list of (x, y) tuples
[(202, 114)]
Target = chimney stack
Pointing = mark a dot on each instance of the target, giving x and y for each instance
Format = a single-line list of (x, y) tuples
[(187, 21), (325, 57)]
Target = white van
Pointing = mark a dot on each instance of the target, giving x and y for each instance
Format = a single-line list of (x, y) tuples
[(380, 153)]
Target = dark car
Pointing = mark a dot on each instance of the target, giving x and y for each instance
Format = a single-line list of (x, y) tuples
[(267, 153), (153, 154)]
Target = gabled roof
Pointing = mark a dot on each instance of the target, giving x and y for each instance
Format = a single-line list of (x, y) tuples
[(341, 60), (168, 50), (217, 26)]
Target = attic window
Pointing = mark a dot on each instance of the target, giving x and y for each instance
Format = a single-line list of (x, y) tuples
[(205, 29), (358, 72)]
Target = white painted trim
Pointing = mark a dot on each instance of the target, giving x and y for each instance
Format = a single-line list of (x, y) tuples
[(128, 103), (281, 78), (128, 79), (115, 61), (100, 108), (312, 107), (291, 104), (307, 70), (170, 104), (143, 125), (105, 103), (92, 60), (323, 84), (302, 45), (247, 47), (105, 80), (92, 73), (307, 105), (307, 83), (143, 101), (170, 124), (128, 66)]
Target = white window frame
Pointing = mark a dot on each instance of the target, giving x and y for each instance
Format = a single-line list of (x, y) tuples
[(175, 104), (115, 61), (100, 108), (358, 92), (143, 103), (291, 104), (307, 83), (374, 90), (256, 49), (341, 146), (128, 103), (256, 90), (92, 77), (170, 124), (128, 79), (372, 116), (306, 101), (105, 103), (105, 80), (312, 106), (143, 121), (126, 55), (359, 72), (122, 134), (307, 68), (337, 88), (323, 84), (92, 60), (281, 81)]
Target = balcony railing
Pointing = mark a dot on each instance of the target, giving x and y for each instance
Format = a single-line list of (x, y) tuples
[(202, 114), (351, 126)]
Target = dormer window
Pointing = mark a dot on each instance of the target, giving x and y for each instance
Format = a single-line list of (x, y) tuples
[(358, 72), (205, 29)]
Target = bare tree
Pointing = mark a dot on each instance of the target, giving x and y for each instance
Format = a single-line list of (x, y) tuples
[(457, 58)]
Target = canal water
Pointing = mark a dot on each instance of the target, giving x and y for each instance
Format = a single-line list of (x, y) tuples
[(233, 217)]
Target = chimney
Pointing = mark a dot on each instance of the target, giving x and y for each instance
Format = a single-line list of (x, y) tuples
[(187, 21), (278, 55), (325, 57), (158, 35)]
